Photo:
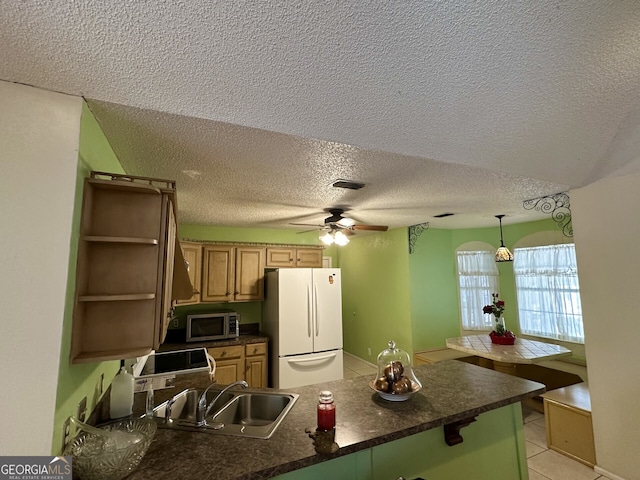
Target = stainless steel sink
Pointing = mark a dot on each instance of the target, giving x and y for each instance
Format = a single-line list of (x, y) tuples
[(248, 414), (255, 409)]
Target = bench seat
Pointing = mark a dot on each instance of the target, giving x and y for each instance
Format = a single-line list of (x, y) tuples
[(567, 412)]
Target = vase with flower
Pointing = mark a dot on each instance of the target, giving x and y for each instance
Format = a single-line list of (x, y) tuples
[(499, 335)]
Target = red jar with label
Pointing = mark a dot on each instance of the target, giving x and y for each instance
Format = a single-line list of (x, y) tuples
[(326, 412)]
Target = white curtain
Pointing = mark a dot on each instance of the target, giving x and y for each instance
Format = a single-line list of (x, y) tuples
[(548, 292), (477, 280)]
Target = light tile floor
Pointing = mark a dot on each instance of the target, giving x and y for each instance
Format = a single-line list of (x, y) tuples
[(544, 464)]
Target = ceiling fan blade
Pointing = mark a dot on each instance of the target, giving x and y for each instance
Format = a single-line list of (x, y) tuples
[(312, 230), (308, 225), (377, 228)]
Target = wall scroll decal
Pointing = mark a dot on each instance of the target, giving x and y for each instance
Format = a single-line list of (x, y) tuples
[(558, 206), (414, 232)]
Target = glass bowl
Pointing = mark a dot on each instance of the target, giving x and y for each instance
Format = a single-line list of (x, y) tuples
[(113, 456), (395, 380)]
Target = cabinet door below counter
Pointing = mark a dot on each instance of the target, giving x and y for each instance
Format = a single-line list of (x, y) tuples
[(229, 363), (241, 362), (256, 365)]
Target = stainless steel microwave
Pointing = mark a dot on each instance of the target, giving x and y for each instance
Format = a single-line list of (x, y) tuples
[(213, 326)]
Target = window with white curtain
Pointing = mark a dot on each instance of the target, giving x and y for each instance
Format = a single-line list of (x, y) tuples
[(477, 280), (548, 292)]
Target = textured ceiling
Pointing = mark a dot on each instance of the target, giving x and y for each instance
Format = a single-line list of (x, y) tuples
[(256, 107)]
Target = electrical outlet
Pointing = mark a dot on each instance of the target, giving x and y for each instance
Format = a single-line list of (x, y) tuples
[(369, 351), (66, 429), (82, 410), (176, 323)]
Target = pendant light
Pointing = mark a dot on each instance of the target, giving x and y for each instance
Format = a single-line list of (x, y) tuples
[(503, 254)]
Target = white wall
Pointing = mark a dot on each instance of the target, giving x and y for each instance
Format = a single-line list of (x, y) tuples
[(606, 224), (39, 134)]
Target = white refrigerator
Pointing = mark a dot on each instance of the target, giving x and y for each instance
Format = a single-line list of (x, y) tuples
[(302, 314)]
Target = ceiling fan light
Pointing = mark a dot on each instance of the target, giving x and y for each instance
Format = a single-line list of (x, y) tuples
[(341, 239), (327, 238), (346, 222)]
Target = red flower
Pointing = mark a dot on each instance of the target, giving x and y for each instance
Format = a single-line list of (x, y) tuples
[(497, 307)]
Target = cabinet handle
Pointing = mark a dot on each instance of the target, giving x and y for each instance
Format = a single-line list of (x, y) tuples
[(255, 350), (248, 367), (224, 353)]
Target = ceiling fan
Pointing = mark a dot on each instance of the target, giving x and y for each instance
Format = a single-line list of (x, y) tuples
[(338, 227)]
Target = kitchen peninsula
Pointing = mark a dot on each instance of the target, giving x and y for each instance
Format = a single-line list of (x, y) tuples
[(378, 439)]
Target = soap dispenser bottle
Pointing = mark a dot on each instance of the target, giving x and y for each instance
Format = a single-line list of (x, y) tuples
[(121, 398)]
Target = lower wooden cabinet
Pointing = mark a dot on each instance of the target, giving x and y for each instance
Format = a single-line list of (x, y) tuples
[(241, 362), (229, 363), (255, 372)]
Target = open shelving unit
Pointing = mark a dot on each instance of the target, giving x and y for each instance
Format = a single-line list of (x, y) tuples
[(125, 267)]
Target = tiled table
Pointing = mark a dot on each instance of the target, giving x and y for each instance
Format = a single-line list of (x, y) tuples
[(505, 357)]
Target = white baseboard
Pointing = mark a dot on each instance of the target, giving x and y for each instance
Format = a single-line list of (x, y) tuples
[(607, 473)]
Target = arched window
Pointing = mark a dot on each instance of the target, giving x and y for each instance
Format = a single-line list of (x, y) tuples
[(477, 280), (548, 292)]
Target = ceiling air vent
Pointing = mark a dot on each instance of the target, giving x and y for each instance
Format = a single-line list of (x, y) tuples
[(442, 215), (350, 184)]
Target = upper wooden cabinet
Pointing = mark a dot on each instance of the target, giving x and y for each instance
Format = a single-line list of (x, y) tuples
[(278, 257), (232, 274), (126, 268), (235, 273), (192, 253)]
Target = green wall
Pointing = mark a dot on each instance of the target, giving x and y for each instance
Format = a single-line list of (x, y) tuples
[(78, 381), (434, 294), (434, 288), (493, 449), (376, 293)]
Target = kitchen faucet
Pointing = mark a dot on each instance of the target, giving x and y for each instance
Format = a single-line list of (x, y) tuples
[(203, 408)]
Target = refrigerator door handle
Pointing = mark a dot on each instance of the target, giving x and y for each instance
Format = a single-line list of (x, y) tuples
[(309, 310), (315, 304), (314, 359)]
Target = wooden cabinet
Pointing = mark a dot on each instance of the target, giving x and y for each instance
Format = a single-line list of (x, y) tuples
[(232, 274), (126, 267), (567, 413), (278, 257), (241, 362), (235, 273), (229, 363), (256, 364), (192, 253)]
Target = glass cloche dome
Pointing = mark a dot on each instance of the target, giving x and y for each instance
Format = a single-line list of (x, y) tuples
[(395, 380)]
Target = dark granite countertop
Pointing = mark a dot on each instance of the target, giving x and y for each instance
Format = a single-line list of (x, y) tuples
[(241, 340), (451, 391)]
